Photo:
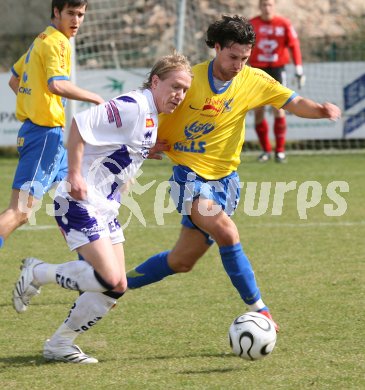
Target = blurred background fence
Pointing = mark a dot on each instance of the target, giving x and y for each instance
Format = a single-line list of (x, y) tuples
[(129, 35)]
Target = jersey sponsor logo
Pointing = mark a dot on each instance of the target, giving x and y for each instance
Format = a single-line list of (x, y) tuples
[(25, 91), (266, 30), (278, 31), (191, 147), (214, 106), (268, 57), (192, 132), (150, 122), (210, 107), (268, 46), (147, 142), (197, 129), (148, 135)]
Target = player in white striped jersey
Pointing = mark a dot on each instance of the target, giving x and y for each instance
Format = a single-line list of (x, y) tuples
[(107, 145), (117, 136)]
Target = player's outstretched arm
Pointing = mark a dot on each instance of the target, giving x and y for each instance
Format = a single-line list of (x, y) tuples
[(75, 150), (67, 89), (307, 108)]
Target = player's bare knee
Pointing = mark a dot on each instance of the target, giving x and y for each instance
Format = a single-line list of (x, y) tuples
[(181, 263), (182, 267), (227, 237), (122, 286), (111, 281)]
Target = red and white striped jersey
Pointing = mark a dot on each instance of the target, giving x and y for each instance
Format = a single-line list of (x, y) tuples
[(274, 39)]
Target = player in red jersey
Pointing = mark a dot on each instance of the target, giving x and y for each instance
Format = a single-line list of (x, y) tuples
[(276, 40)]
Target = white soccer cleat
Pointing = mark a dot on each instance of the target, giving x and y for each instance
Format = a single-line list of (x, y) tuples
[(24, 289), (67, 353), (264, 157), (280, 157)]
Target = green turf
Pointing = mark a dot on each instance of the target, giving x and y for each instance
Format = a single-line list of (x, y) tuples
[(173, 335)]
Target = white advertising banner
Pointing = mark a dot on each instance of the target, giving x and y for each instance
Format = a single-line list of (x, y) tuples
[(342, 83), (9, 125)]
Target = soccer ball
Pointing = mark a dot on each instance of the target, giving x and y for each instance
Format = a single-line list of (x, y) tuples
[(252, 336)]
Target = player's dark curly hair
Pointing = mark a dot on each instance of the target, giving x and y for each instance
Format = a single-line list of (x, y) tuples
[(229, 30), (61, 4)]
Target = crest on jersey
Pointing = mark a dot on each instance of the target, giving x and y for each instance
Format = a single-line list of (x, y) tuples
[(149, 122)]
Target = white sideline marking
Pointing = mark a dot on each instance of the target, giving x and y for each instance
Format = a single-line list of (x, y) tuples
[(269, 225), (38, 227)]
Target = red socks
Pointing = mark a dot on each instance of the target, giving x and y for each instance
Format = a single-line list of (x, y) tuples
[(280, 134), (262, 130)]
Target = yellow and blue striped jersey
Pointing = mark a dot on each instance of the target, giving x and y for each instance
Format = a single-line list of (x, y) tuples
[(206, 132), (48, 58)]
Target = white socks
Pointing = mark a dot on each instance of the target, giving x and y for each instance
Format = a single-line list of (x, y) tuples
[(258, 305), (88, 309), (73, 275)]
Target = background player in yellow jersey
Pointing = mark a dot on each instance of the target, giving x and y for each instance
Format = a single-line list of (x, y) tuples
[(206, 133), (41, 81)]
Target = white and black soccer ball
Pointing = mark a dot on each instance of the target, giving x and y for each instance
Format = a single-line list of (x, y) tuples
[(252, 336)]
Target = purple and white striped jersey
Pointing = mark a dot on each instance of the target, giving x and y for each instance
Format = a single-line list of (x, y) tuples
[(118, 135)]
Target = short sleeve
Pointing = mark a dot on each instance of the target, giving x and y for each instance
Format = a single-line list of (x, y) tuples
[(57, 58), (109, 123)]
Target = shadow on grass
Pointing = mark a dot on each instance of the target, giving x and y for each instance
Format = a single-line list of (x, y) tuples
[(174, 357), (38, 360), (34, 304), (195, 355), (210, 371), (28, 360)]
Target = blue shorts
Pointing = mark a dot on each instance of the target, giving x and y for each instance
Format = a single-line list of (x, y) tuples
[(186, 186), (42, 158)]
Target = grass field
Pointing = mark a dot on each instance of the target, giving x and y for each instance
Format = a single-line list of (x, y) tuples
[(173, 335)]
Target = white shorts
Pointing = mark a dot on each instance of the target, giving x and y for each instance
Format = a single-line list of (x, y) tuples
[(82, 222)]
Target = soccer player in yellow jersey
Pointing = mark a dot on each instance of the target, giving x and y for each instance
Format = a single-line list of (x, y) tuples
[(41, 81), (205, 134)]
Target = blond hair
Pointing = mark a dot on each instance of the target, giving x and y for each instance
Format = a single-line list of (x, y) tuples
[(167, 64)]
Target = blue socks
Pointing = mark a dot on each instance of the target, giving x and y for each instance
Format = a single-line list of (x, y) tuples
[(239, 269), (1, 242), (152, 270), (234, 260)]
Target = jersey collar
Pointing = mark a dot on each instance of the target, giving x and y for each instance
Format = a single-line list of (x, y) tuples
[(211, 81)]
